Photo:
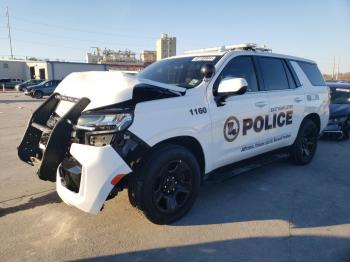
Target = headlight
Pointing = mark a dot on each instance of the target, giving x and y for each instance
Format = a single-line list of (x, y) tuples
[(104, 122), (337, 120)]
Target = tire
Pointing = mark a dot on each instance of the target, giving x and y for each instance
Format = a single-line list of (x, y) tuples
[(305, 145), (132, 186), (38, 94), (167, 184), (345, 130)]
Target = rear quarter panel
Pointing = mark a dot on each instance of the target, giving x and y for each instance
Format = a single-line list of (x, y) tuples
[(317, 97)]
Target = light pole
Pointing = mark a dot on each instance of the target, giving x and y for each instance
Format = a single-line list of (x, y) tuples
[(9, 29)]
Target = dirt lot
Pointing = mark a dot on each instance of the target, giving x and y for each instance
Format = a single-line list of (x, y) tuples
[(279, 212)]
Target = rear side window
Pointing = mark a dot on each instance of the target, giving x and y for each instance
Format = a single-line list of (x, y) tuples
[(313, 74), (273, 73)]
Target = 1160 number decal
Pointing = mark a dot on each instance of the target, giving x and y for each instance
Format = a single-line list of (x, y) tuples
[(198, 111)]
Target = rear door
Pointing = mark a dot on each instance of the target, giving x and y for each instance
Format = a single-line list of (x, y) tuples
[(286, 99)]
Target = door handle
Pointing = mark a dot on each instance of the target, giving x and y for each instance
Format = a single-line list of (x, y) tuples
[(261, 104), (298, 99)]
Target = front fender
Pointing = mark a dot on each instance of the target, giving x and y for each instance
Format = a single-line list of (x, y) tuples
[(156, 121)]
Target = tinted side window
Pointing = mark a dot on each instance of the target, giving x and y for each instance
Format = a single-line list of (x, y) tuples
[(313, 74), (290, 78), (273, 73), (295, 76), (241, 67)]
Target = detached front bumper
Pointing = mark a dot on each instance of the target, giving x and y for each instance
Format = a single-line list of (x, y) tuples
[(99, 166)]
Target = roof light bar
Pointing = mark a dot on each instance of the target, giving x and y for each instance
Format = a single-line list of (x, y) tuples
[(245, 47)]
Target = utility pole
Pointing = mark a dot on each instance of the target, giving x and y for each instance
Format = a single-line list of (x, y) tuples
[(333, 67), (9, 29), (338, 68)]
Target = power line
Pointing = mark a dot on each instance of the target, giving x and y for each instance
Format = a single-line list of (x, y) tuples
[(83, 30), (50, 45), (73, 38), (44, 44)]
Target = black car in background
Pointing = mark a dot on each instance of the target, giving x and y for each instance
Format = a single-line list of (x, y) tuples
[(28, 83), (339, 111), (45, 88)]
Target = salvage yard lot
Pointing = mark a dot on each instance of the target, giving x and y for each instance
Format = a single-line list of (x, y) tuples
[(279, 212)]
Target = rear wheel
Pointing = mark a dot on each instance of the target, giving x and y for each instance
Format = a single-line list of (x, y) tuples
[(346, 130), (304, 147), (168, 185), (38, 94)]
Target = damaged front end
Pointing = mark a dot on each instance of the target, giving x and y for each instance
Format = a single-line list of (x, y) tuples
[(84, 152), (83, 144)]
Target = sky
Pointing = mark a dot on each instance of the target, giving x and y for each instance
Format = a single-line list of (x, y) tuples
[(67, 29)]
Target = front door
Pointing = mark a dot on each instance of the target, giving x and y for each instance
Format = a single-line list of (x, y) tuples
[(238, 125)]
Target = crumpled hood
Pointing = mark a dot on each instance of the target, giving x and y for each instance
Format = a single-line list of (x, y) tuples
[(339, 110), (103, 88)]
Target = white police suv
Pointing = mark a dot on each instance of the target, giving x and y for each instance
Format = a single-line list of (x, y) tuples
[(160, 133)]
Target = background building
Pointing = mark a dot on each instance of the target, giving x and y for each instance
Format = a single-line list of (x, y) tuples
[(148, 57), (12, 69), (111, 56), (49, 70), (166, 46), (122, 60)]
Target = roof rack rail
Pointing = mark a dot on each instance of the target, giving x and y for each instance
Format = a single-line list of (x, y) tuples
[(227, 48)]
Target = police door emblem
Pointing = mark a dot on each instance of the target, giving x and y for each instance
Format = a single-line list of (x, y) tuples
[(231, 128)]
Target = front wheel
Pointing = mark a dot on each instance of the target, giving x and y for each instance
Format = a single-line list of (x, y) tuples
[(38, 94), (304, 147), (167, 185)]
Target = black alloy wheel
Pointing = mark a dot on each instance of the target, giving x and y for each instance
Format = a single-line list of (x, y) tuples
[(165, 185), (304, 147), (173, 186), (308, 142), (346, 130)]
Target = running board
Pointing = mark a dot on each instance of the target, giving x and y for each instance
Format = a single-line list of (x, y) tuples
[(244, 166)]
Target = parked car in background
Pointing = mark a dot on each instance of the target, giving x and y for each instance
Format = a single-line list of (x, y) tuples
[(31, 82), (339, 111), (45, 88), (9, 82)]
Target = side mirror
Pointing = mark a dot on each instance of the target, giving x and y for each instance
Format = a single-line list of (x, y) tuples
[(232, 86), (208, 70)]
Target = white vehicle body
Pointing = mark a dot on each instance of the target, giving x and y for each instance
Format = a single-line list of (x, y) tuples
[(264, 120)]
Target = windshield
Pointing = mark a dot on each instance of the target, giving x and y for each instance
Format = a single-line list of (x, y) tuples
[(340, 96), (182, 71)]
